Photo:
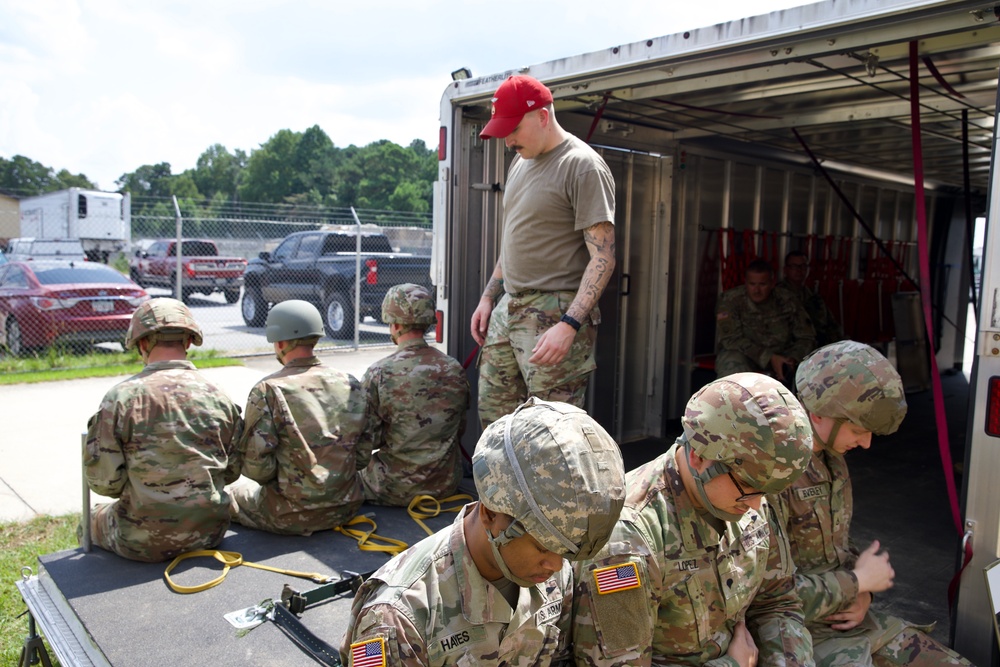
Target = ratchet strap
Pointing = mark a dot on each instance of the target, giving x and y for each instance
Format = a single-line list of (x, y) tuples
[(316, 648), (229, 559), (428, 507)]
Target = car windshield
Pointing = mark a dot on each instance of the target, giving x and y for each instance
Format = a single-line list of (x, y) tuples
[(196, 249), (77, 273)]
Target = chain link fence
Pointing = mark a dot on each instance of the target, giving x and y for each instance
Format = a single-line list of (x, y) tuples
[(230, 271)]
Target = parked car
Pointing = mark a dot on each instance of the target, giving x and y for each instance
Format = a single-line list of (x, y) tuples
[(30, 248), (202, 269), (48, 302)]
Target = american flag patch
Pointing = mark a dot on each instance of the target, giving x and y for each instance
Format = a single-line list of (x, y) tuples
[(616, 578), (370, 653)]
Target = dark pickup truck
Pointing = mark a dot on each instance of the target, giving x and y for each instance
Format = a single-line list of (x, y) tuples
[(320, 267)]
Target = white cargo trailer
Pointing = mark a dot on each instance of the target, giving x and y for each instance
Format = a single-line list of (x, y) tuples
[(860, 131), (102, 221)]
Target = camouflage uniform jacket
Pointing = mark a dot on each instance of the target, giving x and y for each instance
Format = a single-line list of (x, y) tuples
[(304, 442), (430, 606), (817, 511), (694, 583), (417, 402), (162, 444), (823, 321), (779, 325)]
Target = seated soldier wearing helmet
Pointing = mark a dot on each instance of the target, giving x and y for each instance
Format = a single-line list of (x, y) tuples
[(695, 572), (163, 444), (304, 441), (850, 392), (494, 588), (417, 401)]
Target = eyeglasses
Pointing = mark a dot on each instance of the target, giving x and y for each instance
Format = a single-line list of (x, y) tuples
[(744, 496)]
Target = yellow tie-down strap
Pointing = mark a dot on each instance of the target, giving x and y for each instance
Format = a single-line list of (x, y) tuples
[(368, 540), (230, 559), (428, 507)]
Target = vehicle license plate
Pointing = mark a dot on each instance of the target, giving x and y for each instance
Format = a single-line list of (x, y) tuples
[(221, 281), (103, 306)]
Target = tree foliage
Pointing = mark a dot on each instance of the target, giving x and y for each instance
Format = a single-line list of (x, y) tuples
[(26, 178), (294, 170)]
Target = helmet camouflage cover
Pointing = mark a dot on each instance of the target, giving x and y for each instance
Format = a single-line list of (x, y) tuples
[(408, 304), (560, 475), (852, 381), (754, 426), (167, 317)]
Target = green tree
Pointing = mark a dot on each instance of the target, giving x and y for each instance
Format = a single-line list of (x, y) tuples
[(270, 175), (26, 177), (219, 171)]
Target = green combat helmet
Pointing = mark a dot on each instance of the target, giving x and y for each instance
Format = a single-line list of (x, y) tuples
[(851, 381), (164, 319), (292, 320), (753, 427), (408, 304), (559, 474)]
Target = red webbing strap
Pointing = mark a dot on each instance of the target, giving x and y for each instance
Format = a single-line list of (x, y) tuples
[(597, 116), (925, 287)]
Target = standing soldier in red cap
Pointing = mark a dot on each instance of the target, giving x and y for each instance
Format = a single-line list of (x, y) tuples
[(537, 319)]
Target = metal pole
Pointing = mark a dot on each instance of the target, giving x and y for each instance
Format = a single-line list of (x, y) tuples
[(85, 514), (177, 272), (357, 281)]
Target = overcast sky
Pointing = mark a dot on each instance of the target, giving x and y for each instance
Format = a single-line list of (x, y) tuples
[(101, 87)]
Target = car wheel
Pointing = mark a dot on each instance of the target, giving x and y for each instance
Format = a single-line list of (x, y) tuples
[(253, 308), (15, 342), (338, 317), (232, 295)]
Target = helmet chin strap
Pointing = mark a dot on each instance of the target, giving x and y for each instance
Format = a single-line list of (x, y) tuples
[(511, 532), (828, 444), (702, 478)]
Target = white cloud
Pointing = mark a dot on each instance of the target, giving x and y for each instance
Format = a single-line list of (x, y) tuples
[(104, 86)]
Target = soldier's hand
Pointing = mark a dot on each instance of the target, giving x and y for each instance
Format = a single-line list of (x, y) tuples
[(553, 345), (873, 570), (481, 320), (848, 618), (778, 362), (742, 648)]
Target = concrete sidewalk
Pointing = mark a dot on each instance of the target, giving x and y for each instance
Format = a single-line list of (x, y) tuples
[(40, 451)]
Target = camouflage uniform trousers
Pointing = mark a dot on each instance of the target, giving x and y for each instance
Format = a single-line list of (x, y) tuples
[(249, 508), (154, 544), (881, 640), (507, 378)]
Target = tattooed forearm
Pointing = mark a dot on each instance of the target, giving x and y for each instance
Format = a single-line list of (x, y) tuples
[(600, 240), (494, 288)]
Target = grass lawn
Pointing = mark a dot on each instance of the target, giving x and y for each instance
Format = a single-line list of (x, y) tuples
[(57, 364), (22, 543)]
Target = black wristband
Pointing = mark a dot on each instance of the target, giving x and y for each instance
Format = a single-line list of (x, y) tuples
[(570, 321)]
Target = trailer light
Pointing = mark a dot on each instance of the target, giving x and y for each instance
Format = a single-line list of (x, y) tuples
[(461, 74), (439, 327), (442, 144), (993, 407), (372, 277)]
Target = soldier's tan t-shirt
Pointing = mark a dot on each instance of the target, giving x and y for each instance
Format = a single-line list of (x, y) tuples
[(548, 202)]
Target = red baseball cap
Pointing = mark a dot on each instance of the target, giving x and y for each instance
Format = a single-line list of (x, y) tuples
[(515, 97)]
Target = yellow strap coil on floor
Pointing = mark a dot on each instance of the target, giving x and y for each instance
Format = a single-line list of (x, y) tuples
[(368, 540), (229, 559), (428, 507)]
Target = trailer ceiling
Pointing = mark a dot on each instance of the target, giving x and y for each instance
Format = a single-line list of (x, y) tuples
[(842, 86)]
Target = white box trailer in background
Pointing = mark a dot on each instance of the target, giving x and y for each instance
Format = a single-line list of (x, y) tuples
[(791, 130), (102, 221)]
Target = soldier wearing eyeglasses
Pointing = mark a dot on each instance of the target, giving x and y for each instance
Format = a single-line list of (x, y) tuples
[(695, 572)]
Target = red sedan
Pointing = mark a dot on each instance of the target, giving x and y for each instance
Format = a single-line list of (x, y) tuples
[(43, 303)]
